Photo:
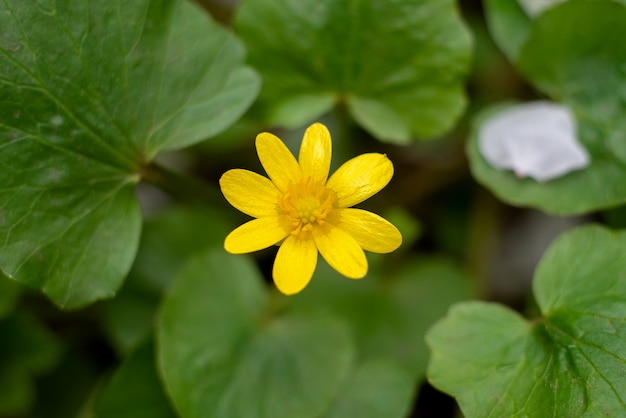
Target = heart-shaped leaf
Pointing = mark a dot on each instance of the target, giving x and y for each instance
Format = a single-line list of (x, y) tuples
[(573, 55), (398, 66), (569, 362), (90, 92), (222, 354)]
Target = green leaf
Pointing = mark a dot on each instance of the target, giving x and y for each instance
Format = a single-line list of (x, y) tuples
[(134, 390), (380, 119), (10, 292), (27, 350), (410, 227), (572, 54), (604, 180), (398, 66), (26, 340), (389, 315), (129, 318), (17, 390), (167, 241), (391, 311), (171, 236), (510, 21), (570, 362), (508, 24), (377, 389), (89, 93), (222, 355), (69, 388)]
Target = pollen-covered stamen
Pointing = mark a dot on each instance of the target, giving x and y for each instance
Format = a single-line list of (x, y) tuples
[(306, 204)]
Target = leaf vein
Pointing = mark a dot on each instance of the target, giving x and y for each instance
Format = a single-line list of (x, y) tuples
[(42, 87)]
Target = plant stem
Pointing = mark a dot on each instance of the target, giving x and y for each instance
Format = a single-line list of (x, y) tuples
[(342, 139), (482, 242)]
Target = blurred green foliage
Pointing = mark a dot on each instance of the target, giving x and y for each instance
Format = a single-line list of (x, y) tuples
[(118, 118)]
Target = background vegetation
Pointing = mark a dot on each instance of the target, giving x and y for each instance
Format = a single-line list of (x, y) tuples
[(118, 118)]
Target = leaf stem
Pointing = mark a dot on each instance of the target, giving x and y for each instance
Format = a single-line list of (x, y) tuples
[(342, 139), (482, 242)]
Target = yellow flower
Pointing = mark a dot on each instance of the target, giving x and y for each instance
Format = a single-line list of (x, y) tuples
[(306, 212)]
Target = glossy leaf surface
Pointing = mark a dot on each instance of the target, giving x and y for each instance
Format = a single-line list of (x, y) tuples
[(222, 354), (569, 362), (89, 93), (573, 55), (397, 66)]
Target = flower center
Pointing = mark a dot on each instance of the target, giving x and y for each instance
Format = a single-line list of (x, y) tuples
[(306, 204)]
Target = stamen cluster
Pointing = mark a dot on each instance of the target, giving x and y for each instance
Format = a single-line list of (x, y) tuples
[(306, 212), (306, 204)]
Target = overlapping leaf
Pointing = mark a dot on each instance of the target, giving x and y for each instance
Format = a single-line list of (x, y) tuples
[(376, 389), (222, 353), (167, 240), (27, 350), (508, 24), (90, 91), (391, 311), (397, 66), (389, 315), (134, 391), (9, 295), (573, 52), (570, 362)]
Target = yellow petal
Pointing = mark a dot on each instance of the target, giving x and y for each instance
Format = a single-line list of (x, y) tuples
[(278, 162), (250, 192), (315, 153), (360, 178), (372, 232), (341, 251), (255, 235), (294, 264)]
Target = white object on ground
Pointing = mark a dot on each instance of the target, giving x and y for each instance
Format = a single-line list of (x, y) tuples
[(533, 8), (536, 139)]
